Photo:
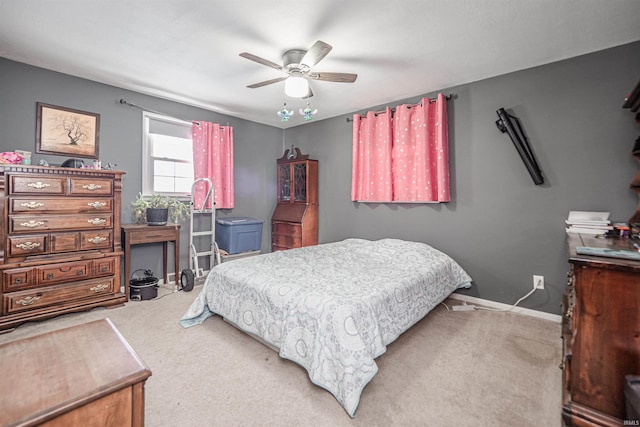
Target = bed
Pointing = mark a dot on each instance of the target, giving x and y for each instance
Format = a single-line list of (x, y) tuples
[(332, 308)]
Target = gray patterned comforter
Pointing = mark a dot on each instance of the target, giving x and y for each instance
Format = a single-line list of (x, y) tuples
[(332, 308)]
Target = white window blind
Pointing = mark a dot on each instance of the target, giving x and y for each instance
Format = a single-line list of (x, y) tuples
[(167, 155)]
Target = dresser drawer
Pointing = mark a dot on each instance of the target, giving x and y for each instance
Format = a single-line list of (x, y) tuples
[(90, 186), (95, 239), (63, 272), (18, 278), (40, 223), (43, 297), (37, 184), (64, 242), (22, 205), (287, 228), (286, 241), (26, 245), (275, 248), (104, 267)]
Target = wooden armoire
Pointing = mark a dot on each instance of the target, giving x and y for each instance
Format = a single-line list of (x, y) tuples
[(294, 223)]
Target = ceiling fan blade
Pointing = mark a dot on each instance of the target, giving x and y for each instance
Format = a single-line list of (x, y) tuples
[(262, 61), (334, 77), (315, 54), (267, 82)]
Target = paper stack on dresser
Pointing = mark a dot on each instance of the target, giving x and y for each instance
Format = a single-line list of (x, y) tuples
[(588, 222)]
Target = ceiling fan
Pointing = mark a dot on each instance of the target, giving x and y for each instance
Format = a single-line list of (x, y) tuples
[(297, 65)]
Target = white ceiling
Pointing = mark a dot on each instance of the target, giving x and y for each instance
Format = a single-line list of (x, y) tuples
[(187, 50)]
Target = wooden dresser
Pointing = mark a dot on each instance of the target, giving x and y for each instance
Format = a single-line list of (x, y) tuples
[(294, 222), (59, 241), (86, 375), (600, 332)]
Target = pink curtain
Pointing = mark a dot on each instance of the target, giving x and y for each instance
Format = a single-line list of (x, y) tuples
[(404, 159), (213, 159), (371, 161), (420, 152)]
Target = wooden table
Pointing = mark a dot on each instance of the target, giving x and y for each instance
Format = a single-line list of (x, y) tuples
[(85, 375), (138, 234)]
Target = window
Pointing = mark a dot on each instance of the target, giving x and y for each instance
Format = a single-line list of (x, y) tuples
[(167, 156)]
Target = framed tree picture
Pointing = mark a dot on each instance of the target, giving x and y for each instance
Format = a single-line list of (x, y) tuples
[(67, 132)]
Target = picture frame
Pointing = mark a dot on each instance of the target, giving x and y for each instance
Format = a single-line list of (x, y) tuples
[(67, 132)]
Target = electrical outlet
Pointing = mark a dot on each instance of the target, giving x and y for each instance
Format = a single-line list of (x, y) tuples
[(538, 282)]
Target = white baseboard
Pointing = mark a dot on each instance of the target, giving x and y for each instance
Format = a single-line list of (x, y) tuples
[(500, 306)]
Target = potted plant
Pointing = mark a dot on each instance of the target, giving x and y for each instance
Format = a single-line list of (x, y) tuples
[(157, 209)]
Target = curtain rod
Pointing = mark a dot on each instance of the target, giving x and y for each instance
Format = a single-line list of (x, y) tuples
[(447, 97), (143, 108)]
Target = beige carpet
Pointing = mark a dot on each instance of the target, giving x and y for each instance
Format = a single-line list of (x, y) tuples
[(474, 368)]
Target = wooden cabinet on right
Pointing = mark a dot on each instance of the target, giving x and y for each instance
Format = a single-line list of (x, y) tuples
[(294, 223), (600, 332)]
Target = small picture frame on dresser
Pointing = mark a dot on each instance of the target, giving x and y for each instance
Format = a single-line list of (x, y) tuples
[(67, 132)]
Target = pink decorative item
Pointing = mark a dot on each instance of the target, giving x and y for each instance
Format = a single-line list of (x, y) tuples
[(10, 157)]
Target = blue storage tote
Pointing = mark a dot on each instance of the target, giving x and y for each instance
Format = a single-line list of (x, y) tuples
[(239, 234)]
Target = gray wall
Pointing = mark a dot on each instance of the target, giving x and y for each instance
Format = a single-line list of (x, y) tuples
[(255, 145), (499, 226)]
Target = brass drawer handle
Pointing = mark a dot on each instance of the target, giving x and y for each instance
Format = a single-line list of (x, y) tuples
[(32, 205), (28, 300), (97, 205), (97, 221), (104, 268), (18, 280), (97, 240), (92, 187), (50, 276), (569, 313), (99, 288), (38, 185), (28, 246), (32, 224), (79, 272)]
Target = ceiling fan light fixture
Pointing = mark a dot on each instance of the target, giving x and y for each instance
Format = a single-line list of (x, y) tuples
[(296, 86)]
